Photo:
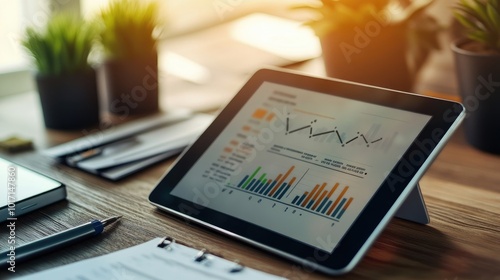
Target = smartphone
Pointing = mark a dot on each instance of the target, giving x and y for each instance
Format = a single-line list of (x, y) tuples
[(23, 190)]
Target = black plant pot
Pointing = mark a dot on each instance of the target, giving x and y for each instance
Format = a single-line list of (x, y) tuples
[(479, 85), (373, 54), (131, 85), (69, 101)]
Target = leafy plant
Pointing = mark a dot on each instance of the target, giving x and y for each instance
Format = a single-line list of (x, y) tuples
[(481, 19), (63, 46), (129, 28), (336, 14), (422, 29)]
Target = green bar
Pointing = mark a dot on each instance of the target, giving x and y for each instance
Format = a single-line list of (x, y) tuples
[(261, 179), (250, 178)]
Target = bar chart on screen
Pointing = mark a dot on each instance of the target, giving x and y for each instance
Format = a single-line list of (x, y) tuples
[(292, 189), (293, 156)]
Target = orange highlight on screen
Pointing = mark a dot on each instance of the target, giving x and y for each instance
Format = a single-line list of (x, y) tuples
[(270, 117), (259, 114), (228, 150), (246, 128), (234, 142)]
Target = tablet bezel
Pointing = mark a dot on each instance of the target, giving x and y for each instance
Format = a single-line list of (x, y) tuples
[(446, 116)]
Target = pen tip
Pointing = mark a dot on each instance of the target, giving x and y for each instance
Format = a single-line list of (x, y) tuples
[(111, 220)]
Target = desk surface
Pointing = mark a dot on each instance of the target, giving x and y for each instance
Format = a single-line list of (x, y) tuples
[(461, 189)]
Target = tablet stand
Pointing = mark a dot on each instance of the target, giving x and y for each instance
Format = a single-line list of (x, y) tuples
[(413, 208)]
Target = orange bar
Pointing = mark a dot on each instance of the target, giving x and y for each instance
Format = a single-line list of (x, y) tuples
[(228, 150), (319, 200), (270, 117), (279, 177), (292, 181), (333, 190), (336, 201), (246, 128), (316, 196), (304, 203), (347, 204), (259, 114), (281, 181)]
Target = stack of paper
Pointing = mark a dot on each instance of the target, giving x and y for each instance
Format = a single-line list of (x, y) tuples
[(121, 151)]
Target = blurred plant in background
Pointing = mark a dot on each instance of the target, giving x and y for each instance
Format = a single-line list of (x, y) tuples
[(382, 42), (129, 28), (62, 46), (481, 20)]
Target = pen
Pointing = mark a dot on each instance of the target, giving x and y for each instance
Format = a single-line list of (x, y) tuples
[(53, 242)]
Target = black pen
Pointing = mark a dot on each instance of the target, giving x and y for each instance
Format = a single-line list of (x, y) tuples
[(13, 255)]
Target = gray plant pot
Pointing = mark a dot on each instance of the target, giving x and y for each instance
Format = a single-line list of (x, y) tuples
[(479, 86), (69, 101)]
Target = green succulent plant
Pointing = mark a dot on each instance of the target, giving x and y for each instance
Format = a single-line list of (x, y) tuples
[(481, 20), (62, 46), (129, 28)]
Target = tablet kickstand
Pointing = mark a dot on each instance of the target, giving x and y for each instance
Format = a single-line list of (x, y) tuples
[(413, 209)]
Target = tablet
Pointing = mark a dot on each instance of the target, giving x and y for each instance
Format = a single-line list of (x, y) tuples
[(309, 168), (24, 190)]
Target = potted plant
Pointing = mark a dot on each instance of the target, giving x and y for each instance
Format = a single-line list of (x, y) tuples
[(477, 63), (66, 82), (381, 42), (128, 36)]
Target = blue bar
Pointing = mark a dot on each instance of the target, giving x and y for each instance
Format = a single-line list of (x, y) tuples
[(339, 207), (301, 199), (257, 185), (322, 203), (270, 187), (261, 191), (340, 214), (279, 190), (295, 199), (326, 207), (251, 183), (260, 185), (242, 181), (310, 204), (284, 191)]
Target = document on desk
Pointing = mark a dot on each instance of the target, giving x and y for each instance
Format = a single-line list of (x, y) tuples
[(154, 260)]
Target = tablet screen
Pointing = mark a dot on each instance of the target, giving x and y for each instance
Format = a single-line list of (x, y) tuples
[(299, 162)]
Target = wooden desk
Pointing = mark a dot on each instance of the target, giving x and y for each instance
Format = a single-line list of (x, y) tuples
[(462, 191)]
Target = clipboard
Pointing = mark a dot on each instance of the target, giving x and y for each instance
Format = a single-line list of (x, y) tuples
[(147, 260)]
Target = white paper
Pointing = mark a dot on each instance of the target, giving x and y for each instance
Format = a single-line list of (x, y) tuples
[(152, 143), (148, 261), (116, 133)]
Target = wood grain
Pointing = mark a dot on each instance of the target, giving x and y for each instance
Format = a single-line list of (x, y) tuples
[(462, 241)]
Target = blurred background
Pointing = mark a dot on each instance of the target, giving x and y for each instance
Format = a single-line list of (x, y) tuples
[(180, 17)]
